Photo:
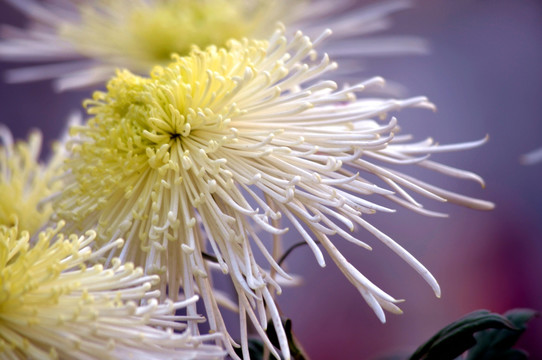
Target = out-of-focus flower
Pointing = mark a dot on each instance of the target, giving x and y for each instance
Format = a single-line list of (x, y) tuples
[(53, 306), (532, 157), (90, 39), (207, 154), (25, 181)]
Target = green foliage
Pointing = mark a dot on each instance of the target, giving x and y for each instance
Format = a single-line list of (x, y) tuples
[(485, 335), (256, 347), (255, 350), (482, 335), (496, 344)]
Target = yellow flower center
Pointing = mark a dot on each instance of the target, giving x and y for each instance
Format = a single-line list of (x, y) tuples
[(169, 124)]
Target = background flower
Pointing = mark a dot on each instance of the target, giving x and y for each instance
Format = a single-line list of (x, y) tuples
[(25, 181), (484, 75), (53, 305), (89, 40)]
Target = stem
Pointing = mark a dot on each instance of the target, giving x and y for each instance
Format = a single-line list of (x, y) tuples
[(291, 248), (209, 257)]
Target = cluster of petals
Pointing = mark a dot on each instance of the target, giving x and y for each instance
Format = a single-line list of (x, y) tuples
[(84, 42), (204, 158), (25, 181), (52, 305)]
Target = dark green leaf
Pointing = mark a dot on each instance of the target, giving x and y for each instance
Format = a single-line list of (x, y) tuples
[(458, 337), (520, 317), (497, 343), (256, 346), (295, 350), (255, 350)]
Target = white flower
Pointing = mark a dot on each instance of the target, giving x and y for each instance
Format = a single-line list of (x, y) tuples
[(53, 306), (90, 39), (210, 152)]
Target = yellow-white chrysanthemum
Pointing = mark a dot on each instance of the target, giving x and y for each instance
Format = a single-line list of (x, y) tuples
[(25, 181), (207, 154), (53, 306), (91, 39)]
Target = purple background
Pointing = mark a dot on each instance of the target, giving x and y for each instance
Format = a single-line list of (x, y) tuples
[(485, 76)]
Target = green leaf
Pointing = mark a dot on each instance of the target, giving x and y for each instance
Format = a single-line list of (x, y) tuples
[(255, 350), (296, 351), (456, 338), (497, 343), (256, 346)]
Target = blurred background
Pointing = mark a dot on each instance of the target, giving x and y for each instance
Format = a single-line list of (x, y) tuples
[(484, 74)]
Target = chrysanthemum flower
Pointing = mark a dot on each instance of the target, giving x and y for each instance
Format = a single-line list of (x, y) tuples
[(207, 154), (53, 306), (25, 181), (93, 38)]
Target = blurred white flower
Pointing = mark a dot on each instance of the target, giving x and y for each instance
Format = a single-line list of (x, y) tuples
[(205, 156), (53, 306), (88, 40)]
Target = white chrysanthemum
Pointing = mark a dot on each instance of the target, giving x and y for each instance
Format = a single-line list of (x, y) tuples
[(93, 38), (53, 306), (25, 181), (215, 148)]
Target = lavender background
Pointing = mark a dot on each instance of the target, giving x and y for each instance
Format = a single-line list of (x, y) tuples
[(485, 75)]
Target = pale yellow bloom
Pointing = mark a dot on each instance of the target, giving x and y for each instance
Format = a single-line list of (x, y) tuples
[(25, 181), (53, 306), (208, 154), (93, 38)]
